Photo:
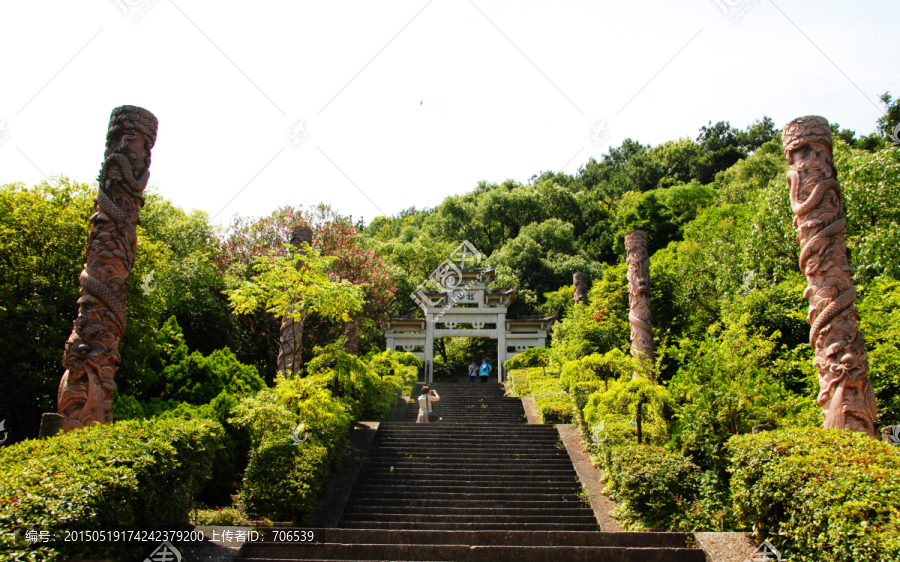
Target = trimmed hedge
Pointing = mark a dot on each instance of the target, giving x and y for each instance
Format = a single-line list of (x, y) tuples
[(659, 489), (553, 403), (284, 480), (230, 460), (531, 357), (819, 494), (138, 473)]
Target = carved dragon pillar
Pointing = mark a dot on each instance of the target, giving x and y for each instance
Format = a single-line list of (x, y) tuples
[(289, 357), (582, 282), (91, 355), (638, 261), (351, 338), (845, 395)]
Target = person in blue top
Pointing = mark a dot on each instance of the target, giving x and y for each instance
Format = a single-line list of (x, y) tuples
[(485, 369), (473, 371)]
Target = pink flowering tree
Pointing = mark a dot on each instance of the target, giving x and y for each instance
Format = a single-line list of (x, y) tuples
[(337, 236)]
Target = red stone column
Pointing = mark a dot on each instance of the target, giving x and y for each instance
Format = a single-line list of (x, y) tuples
[(582, 283), (845, 395), (92, 351), (291, 344), (639, 316)]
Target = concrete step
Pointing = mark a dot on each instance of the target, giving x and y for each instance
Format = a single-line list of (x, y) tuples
[(519, 538), (449, 552), (472, 518), (441, 526), (557, 488), (497, 451), (478, 463), (479, 509), (470, 440), (454, 488), (380, 504), (451, 433), (468, 474), (511, 495)]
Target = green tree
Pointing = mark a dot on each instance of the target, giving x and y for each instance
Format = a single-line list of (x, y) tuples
[(726, 385), (879, 312), (889, 122), (43, 230), (295, 286)]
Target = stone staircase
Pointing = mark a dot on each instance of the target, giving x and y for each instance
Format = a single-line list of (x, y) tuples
[(475, 402), (481, 485)]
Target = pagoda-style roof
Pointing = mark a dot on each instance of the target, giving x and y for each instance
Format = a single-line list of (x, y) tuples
[(531, 322), (536, 318)]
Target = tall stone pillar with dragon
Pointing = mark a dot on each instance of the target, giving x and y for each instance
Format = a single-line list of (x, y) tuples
[(290, 344), (582, 283), (639, 316), (91, 355), (845, 394)]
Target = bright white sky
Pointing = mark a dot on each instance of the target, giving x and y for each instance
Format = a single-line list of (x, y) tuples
[(414, 100)]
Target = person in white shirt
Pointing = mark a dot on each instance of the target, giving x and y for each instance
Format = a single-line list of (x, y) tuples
[(425, 399)]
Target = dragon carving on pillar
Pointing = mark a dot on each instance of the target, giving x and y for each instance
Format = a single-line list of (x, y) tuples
[(639, 317), (581, 282), (845, 396), (289, 358), (91, 355)]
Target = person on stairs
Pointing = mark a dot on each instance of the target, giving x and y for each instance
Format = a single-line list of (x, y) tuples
[(425, 399), (485, 369), (473, 371)]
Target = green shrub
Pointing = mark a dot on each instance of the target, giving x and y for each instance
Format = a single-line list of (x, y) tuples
[(656, 488), (518, 382), (554, 405), (614, 412), (198, 379), (880, 325), (125, 407), (531, 357), (228, 517), (818, 494), (360, 381), (583, 391), (284, 480), (594, 367), (139, 474), (727, 384), (574, 372), (174, 373), (230, 460)]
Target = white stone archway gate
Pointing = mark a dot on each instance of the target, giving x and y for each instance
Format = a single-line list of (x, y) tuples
[(472, 311)]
